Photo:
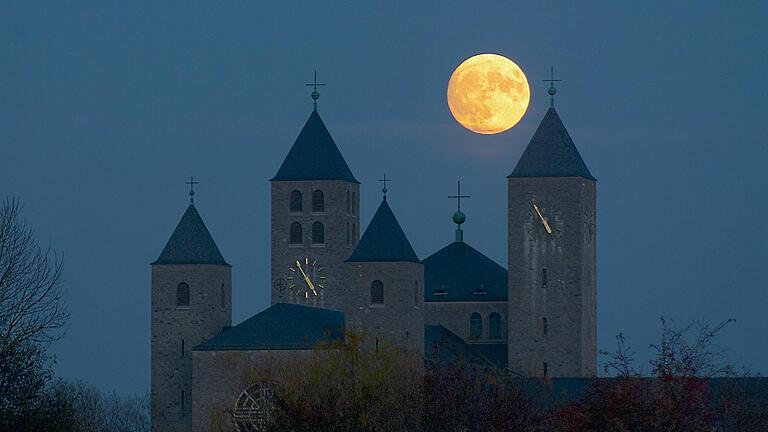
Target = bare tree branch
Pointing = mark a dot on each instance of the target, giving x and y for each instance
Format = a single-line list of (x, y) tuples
[(32, 298)]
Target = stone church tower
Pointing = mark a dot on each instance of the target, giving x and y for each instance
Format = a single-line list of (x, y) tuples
[(552, 264), (315, 219), (385, 280), (191, 302)]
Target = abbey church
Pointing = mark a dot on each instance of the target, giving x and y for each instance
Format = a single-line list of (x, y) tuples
[(534, 315)]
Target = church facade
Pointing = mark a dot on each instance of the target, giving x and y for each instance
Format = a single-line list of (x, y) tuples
[(534, 317)]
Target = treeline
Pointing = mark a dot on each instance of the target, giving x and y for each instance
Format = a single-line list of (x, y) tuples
[(33, 315), (349, 387)]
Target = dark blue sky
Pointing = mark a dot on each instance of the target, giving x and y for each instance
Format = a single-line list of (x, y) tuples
[(107, 108)]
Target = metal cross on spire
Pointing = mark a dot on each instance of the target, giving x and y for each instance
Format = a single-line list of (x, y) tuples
[(315, 94), (458, 195), (459, 217), (384, 190), (552, 90), (192, 184)]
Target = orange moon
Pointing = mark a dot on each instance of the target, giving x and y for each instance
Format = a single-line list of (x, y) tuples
[(488, 94)]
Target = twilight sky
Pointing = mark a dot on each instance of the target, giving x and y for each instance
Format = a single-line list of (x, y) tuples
[(107, 107)]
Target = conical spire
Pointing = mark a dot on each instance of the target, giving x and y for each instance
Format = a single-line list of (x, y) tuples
[(191, 243), (384, 240), (314, 156), (551, 152)]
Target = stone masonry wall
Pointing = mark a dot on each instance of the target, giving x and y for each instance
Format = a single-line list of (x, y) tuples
[(566, 295), (171, 359), (331, 255), (455, 317), (221, 376), (400, 320)]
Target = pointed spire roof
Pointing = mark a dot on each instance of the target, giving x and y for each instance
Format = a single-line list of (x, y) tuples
[(191, 243), (383, 240), (314, 156), (551, 152)]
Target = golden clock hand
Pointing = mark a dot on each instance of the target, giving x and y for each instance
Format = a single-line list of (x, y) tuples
[(543, 220), (306, 278)]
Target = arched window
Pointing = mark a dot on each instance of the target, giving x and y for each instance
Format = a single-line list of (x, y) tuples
[(494, 326), (416, 293), (377, 292), (475, 326), (296, 202), (318, 201), (318, 233), (255, 408), (296, 233), (182, 295), (353, 203), (223, 297)]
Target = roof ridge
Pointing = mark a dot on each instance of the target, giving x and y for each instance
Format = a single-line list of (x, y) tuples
[(551, 152), (314, 155), (191, 242), (384, 240)]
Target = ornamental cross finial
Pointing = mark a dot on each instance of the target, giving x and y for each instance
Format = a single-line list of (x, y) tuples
[(552, 90), (384, 190), (192, 184), (315, 94), (458, 195)]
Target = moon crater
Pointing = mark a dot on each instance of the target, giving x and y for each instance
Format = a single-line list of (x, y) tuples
[(488, 94)]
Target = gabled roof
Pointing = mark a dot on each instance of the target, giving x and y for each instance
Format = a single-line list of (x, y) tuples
[(191, 243), (314, 156), (551, 152), (458, 272), (282, 326), (383, 240), (442, 347)]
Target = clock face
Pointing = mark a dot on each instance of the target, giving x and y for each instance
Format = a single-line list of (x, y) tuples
[(539, 224), (306, 278)]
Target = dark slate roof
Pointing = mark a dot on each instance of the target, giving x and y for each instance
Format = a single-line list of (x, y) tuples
[(191, 243), (443, 347), (383, 240), (551, 152), (282, 326), (495, 353), (458, 272), (314, 156)]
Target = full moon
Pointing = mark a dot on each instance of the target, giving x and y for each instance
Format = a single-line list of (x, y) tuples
[(488, 94)]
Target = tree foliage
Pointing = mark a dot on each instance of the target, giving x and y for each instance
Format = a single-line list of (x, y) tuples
[(32, 314)]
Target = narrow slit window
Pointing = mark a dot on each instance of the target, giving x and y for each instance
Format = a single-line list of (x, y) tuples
[(377, 292), (296, 233), (318, 201), (349, 206), (475, 326), (494, 326), (545, 326), (182, 295), (318, 233), (296, 205), (544, 277)]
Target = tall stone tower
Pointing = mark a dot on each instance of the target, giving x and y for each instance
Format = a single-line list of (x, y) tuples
[(385, 297), (552, 262), (191, 302), (315, 219)]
